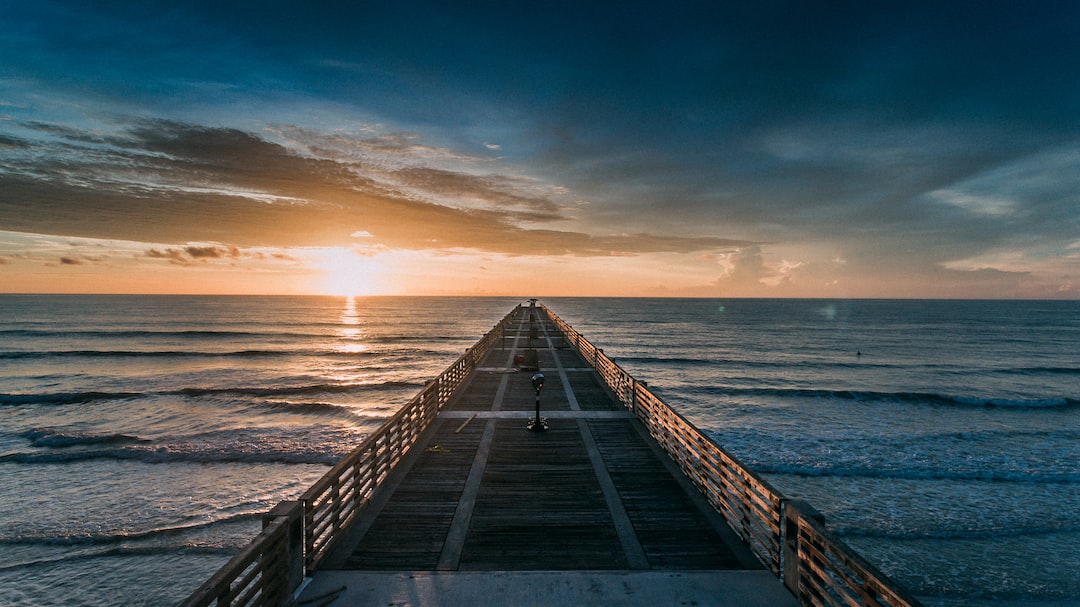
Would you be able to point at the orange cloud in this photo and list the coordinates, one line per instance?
(167, 182)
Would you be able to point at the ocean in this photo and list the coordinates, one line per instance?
(143, 436)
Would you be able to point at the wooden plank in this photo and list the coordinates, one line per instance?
(539, 505)
(671, 529)
(410, 531)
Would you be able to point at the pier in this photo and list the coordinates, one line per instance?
(535, 471)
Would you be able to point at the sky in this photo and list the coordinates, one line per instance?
(684, 149)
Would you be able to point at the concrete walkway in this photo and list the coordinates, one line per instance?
(550, 589)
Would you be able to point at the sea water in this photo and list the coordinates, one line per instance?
(142, 437)
(940, 439)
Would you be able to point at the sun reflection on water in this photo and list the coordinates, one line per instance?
(350, 332)
(349, 316)
(352, 349)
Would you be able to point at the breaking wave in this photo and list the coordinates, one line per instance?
(954, 534)
(868, 396)
(47, 437)
(922, 474)
(182, 453)
(72, 398)
(115, 537)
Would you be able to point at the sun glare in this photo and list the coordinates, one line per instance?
(346, 273)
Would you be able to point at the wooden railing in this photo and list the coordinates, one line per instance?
(263, 573)
(332, 503)
(298, 535)
(787, 535)
(749, 504)
(828, 571)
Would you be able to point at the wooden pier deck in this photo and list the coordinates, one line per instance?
(483, 511)
(621, 501)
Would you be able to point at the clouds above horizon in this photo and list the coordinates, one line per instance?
(935, 142)
(167, 182)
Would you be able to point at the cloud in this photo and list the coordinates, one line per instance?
(744, 267)
(746, 270)
(401, 164)
(192, 254)
(81, 260)
(980, 205)
(13, 143)
(170, 182)
(369, 148)
(212, 252)
(176, 256)
(462, 190)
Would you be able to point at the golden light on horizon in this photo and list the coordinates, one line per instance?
(344, 272)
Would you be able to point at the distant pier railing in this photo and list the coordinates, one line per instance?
(297, 535)
(787, 535)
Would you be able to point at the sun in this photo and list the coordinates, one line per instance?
(344, 272)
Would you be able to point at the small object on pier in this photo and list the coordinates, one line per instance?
(465, 423)
(332, 595)
(538, 424)
(531, 361)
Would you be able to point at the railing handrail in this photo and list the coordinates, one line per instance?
(831, 572)
(817, 567)
(257, 575)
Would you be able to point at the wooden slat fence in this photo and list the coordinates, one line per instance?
(332, 503)
(266, 572)
(258, 575)
(749, 504)
(817, 567)
(830, 573)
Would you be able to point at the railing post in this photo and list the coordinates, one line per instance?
(293, 512)
(794, 511)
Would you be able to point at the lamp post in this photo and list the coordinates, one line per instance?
(538, 424)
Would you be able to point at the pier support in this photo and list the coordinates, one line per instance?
(291, 512)
(794, 511)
